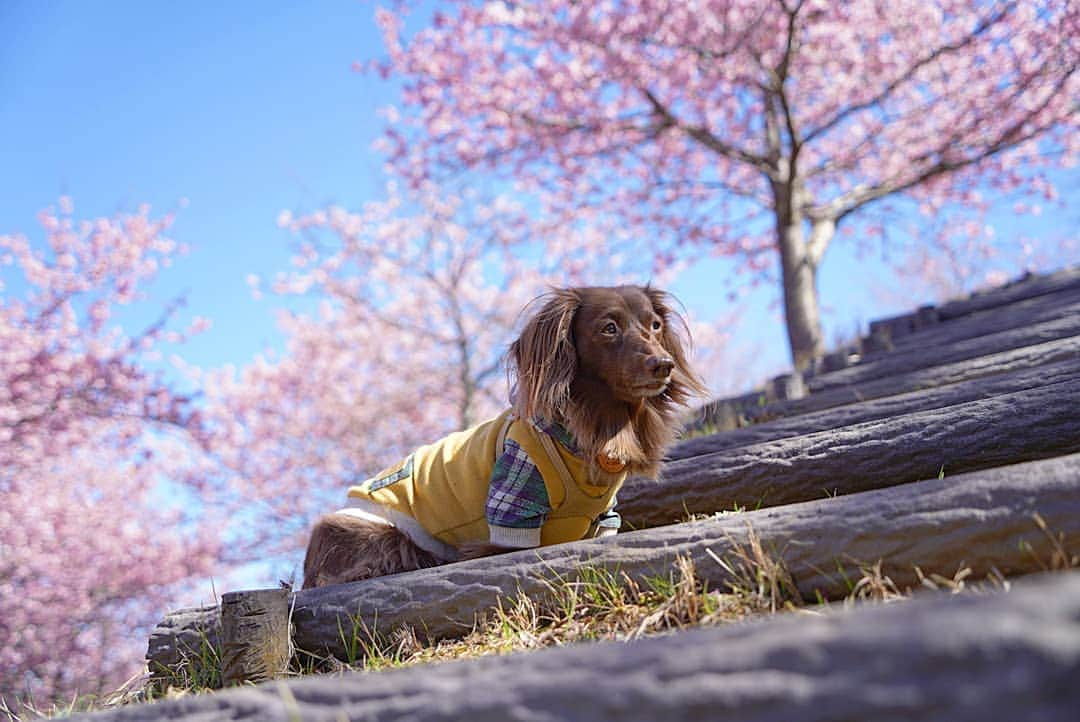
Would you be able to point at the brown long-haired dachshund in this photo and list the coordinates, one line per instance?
(596, 376)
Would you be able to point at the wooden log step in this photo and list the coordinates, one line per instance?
(1024, 425)
(883, 408)
(907, 360)
(255, 634)
(1024, 313)
(927, 319)
(1028, 287)
(983, 520)
(998, 363)
(1000, 656)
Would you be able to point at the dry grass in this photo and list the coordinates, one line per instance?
(596, 604)
(1060, 557)
(132, 691)
(602, 605)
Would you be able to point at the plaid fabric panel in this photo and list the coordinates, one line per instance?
(557, 432)
(517, 497)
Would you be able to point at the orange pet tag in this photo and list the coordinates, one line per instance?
(610, 464)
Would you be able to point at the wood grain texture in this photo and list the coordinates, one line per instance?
(1024, 425)
(1002, 656)
(724, 412)
(983, 519)
(858, 412)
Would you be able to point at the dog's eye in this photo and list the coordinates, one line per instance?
(656, 325)
(609, 329)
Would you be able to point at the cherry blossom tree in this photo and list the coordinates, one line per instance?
(756, 128)
(412, 302)
(90, 546)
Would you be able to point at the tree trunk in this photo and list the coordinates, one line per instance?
(799, 255)
(799, 259)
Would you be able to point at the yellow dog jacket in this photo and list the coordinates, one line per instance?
(437, 495)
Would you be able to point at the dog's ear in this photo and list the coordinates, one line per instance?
(677, 340)
(544, 359)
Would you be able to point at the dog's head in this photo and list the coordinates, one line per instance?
(627, 342)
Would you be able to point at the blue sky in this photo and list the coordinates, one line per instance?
(241, 108)
(246, 109)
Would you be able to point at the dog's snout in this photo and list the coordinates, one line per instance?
(660, 366)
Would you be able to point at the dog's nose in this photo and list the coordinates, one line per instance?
(660, 366)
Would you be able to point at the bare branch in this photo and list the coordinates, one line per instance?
(1011, 137)
(781, 77)
(703, 136)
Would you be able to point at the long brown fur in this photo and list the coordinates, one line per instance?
(344, 548)
(565, 368)
(545, 365)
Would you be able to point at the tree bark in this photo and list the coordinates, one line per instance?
(800, 257)
(884, 408)
(1020, 426)
(799, 279)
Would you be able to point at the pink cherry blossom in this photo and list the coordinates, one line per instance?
(413, 301)
(754, 128)
(90, 548)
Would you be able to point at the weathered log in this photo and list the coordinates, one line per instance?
(1021, 426)
(1014, 293)
(999, 656)
(883, 408)
(748, 405)
(996, 320)
(1038, 299)
(189, 636)
(983, 520)
(731, 412)
(256, 639)
(1029, 286)
(929, 322)
(789, 386)
(910, 359)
